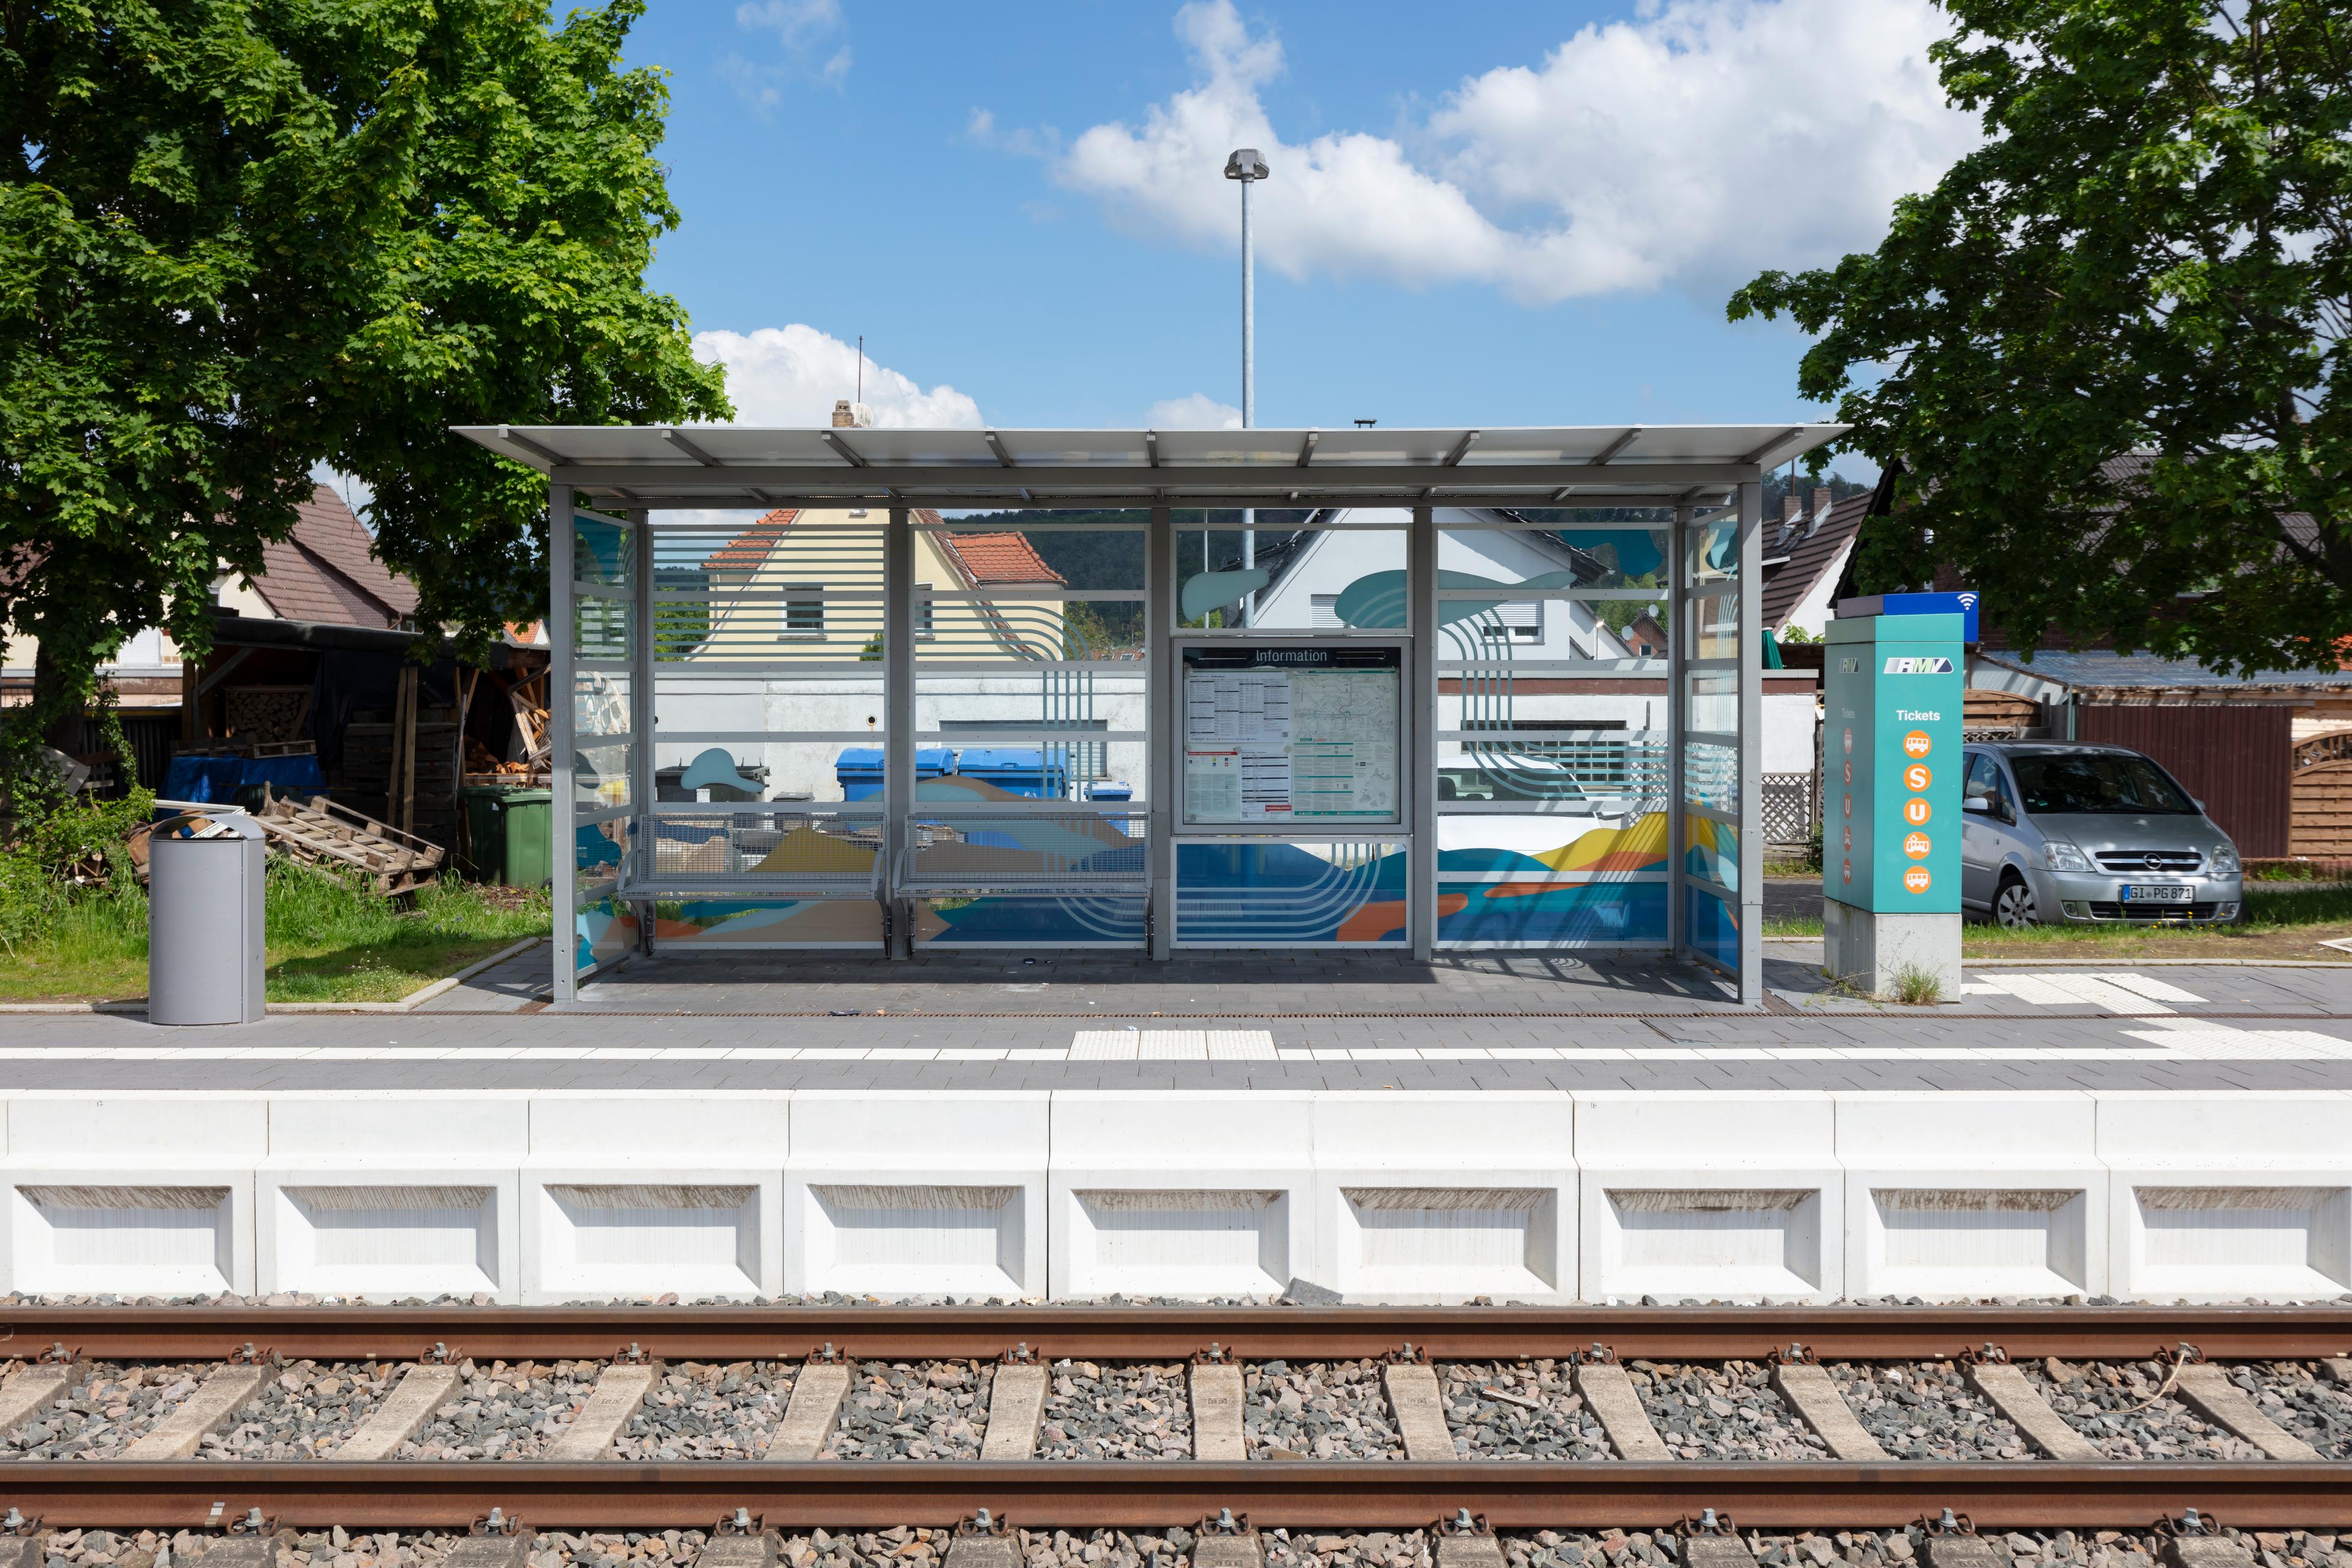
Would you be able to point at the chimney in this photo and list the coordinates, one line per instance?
(843, 419)
(1788, 509)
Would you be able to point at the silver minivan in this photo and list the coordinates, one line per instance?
(2052, 831)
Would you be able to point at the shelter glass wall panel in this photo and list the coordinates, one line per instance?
(1030, 828)
(1712, 801)
(1552, 731)
(771, 725)
(605, 566)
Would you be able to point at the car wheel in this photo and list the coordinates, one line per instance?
(2014, 906)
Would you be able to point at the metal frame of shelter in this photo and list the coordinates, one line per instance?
(1708, 478)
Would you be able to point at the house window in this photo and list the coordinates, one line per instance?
(1323, 612)
(1523, 621)
(804, 616)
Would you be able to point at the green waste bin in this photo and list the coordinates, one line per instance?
(508, 827)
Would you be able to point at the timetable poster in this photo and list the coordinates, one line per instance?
(1292, 734)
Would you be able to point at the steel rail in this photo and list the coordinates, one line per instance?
(1112, 1333)
(1158, 1494)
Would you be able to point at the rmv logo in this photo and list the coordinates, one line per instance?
(1917, 667)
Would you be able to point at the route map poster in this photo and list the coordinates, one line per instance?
(1292, 734)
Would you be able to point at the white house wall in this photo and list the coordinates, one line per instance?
(1540, 1196)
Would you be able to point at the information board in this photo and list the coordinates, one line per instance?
(1894, 689)
(1295, 733)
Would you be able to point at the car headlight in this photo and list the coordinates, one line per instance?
(2223, 861)
(2061, 855)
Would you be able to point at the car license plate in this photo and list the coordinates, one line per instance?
(2141, 893)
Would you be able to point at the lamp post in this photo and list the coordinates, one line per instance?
(1248, 167)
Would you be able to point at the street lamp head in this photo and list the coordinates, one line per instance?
(1246, 163)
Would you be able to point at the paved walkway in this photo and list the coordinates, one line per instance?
(718, 1023)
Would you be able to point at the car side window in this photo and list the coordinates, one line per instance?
(1981, 778)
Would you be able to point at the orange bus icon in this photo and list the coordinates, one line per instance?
(1915, 880)
(1916, 743)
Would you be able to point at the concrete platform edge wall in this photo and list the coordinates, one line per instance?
(1409, 1197)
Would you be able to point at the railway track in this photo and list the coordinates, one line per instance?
(1840, 1380)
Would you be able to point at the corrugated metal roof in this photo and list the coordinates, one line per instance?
(2096, 668)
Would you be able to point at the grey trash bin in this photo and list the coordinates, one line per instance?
(203, 919)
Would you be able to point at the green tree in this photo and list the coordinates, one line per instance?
(2109, 345)
(238, 238)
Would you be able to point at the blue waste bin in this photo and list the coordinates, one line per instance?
(859, 770)
(1017, 770)
(1110, 789)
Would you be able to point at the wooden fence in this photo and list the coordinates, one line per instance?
(2236, 757)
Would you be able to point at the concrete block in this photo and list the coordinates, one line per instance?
(739, 1552)
(1181, 1195)
(1443, 1197)
(817, 1394)
(619, 1391)
(376, 1233)
(1708, 1196)
(1965, 1551)
(1016, 1407)
(184, 1128)
(1610, 1396)
(432, 1128)
(1870, 952)
(2207, 1551)
(132, 1231)
(1217, 1433)
(213, 1405)
(910, 1194)
(2218, 1198)
(1808, 1389)
(1419, 1412)
(2013, 1395)
(744, 1126)
(1239, 1549)
(422, 1390)
(1715, 1551)
(2210, 1392)
(30, 1391)
(243, 1552)
(1469, 1551)
(1956, 1195)
(488, 1551)
(984, 1548)
(630, 1229)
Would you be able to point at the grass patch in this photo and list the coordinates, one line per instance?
(2283, 920)
(329, 940)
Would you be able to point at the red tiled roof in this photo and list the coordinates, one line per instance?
(1812, 557)
(327, 570)
(1001, 558)
(748, 549)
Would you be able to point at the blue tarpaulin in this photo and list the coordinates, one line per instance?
(218, 779)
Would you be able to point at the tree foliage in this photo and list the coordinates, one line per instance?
(238, 238)
(2110, 344)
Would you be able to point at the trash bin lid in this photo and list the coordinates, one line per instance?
(202, 827)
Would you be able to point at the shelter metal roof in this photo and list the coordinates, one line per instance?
(702, 466)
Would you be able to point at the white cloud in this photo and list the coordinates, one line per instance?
(1694, 145)
(803, 30)
(792, 375)
(1198, 411)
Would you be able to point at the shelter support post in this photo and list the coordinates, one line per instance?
(565, 856)
(641, 712)
(1678, 635)
(1421, 734)
(1161, 719)
(1751, 743)
(898, 740)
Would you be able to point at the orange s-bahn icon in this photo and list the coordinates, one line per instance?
(1916, 743)
(1916, 811)
(1914, 880)
(1917, 776)
(1916, 844)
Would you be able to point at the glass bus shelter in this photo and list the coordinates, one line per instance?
(822, 695)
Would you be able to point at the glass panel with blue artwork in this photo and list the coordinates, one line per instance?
(1296, 893)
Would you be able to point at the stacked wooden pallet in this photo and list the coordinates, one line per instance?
(366, 777)
(318, 832)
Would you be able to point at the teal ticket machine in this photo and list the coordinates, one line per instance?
(1891, 805)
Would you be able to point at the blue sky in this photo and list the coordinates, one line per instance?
(1492, 215)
